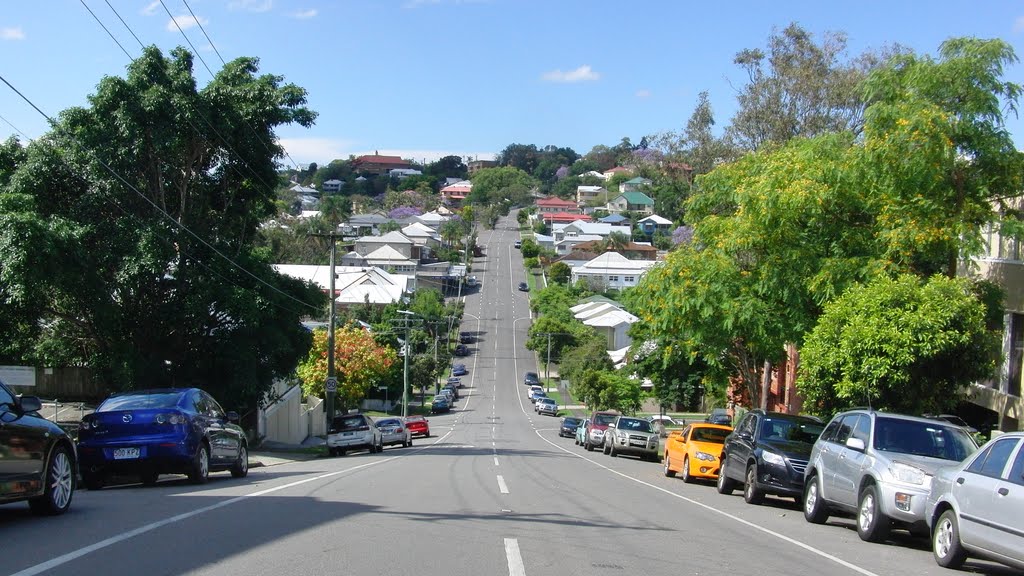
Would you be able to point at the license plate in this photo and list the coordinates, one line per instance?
(126, 453)
(347, 433)
(637, 443)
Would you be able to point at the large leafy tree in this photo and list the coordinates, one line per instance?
(898, 344)
(494, 185)
(119, 225)
(359, 362)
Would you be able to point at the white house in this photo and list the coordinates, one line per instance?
(565, 245)
(586, 194)
(580, 228)
(400, 242)
(423, 236)
(385, 257)
(612, 270)
(607, 320)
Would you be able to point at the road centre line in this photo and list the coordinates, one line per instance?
(501, 484)
(709, 508)
(515, 559)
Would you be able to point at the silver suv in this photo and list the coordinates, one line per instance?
(628, 435)
(879, 467)
(354, 432)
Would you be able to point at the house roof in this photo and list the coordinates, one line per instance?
(636, 197)
(304, 189)
(611, 319)
(393, 237)
(333, 181)
(433, 217)
(610, 262)
(380, 159)
(638, 180)
(560, 217)
(600, 298)
(387, 254)
(555, 202)
(597, 228)
(585, 188)
(630, 247)
(592, 174)
(657, 220)
(617, 169)
(460, 186)
(367, 219)
(588, 309)
(371, 293)
(613, 219)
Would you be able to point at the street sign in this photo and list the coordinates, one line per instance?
(332, 384)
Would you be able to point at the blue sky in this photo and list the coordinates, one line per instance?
(425, 78)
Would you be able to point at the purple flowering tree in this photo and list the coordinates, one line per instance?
(682, 235)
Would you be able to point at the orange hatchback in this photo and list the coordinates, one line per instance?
(693, 451)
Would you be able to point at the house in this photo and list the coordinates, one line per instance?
(455, 194)
(616, 219)
(612, 270)
(585, 194)
(555, 205)
(377, 164)
(632, 250)
(608, 320)
(544, 241)
(632, 202)
(333, 186)
(562, 218)
(403, 173)
(593, 174)
(568, 244)
(634, 185)
(396, 240)
(475, 166)
(423, 236)
(386, 258)
(583, 227)
(616, 170)
(364, 224)
(654, 223)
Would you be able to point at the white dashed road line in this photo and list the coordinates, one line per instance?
(501, 484)
(515, 560)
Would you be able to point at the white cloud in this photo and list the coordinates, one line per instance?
(305, 14)
(323, 150)
(1018, 25)
(151, 9)
(185, 22)
(251, 5)
(582, 74)
(12, 33)
(643, 93)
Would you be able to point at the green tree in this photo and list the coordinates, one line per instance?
(521, 217)
(560, 273)
(359, 362)
(195, 173)
(590, 354)
(605, 390)
(554, 333)
(494, 185)
(529, 248)
(901, 345)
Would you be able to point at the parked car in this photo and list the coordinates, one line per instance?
(465, 338)
(440, 403)
(976, 508)
(581, 431)
(537, 395)
(471, 281)
(393, 431)
(147, 433)
(38, 463)
(568, 427)
(518, 244)
(547, 406)
(531, 379)
(719, 416)
(418, 426)
(524, 287)
(597, 424)
(453, 388)
(879, 466)
(693, 451)
(449, 393)
(628, 435)
(461, 350)
(459, 370)
(533, 389)
(767, 453)
(354, 432)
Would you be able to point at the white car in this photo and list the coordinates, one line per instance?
(546, 406)
(393, 431)
(353, 432)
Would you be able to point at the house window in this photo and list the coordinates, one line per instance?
(613, 278)
(630, 279)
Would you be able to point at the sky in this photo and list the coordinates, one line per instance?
(426, 78)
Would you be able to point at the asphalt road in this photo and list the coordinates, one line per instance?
(495, 491)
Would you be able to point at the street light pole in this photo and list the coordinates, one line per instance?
(330, 386)
(406, 348)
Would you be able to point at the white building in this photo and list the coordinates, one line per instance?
(612, 270)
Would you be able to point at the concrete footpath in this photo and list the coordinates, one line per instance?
(274, 453)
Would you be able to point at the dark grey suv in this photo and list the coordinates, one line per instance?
(37, 457)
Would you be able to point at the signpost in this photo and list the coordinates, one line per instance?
(332, 384)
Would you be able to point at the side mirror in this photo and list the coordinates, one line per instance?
(611, 425)
(30, 404)
(746, 436)
(233, 417)
(855, 444)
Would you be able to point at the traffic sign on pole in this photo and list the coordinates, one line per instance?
(332, 384)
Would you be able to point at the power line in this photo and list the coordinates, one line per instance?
(141, 45)
(106, 30)
(200, 24)
(187, 39)
(15, 128)
(146, 199)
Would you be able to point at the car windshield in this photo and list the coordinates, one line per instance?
(571, 421)
(713, 435)
(546, 401)
(633, 425)
(791, 429)
(604, 419)
(349, 422)
(388, 422)
(922, 439)
(140, 401)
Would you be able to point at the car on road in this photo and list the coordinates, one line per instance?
(531, 379)
(456, 381)
(568, 427)
(418, 426)
(524, 287)
(471, 281)
(767, 453)
(466, 338)
(459, 370)
(453, 388)
(38, 463)
(976, 508)
(354, 432)
(547, 406)
(518, 244)
(393, 431)
(146, 433)
(449, 393)
(440, 403)
(719, 416)
(581, 431)
(461, 350)
(879, 467)
(597, 424)
(536, 395)
(693, 451)
(629, 435)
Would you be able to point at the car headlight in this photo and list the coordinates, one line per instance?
(773, 458)
(705, 456)
(907, 474)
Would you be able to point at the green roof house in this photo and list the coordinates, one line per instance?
(632, 202)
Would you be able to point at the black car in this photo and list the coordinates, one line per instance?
(531, 379)
(569, 426)
(523, 287)
(767, 453)
(461, 350)
(37, 457)
(719, 416)
(465, 338)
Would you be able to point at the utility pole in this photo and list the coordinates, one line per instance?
(331, 385)
(406, 351)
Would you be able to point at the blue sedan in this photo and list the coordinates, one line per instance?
(459, 370)
(163, 431)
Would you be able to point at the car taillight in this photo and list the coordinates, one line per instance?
(400, 429)
(170, 418)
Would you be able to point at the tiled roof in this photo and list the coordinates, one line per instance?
(379, 159)
(555, 201)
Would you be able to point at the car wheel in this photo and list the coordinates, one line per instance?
(60, 485)
(725, 485)
(687, 478)
(92, 480)
(604, 447)
(341, 451)
(408, 442)
(872, 524)
(588, 446)
(200, 471)
(668, 467)
(815, 511)
(149, 478)
(751, 493)
(946, 547)
(241, 466)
